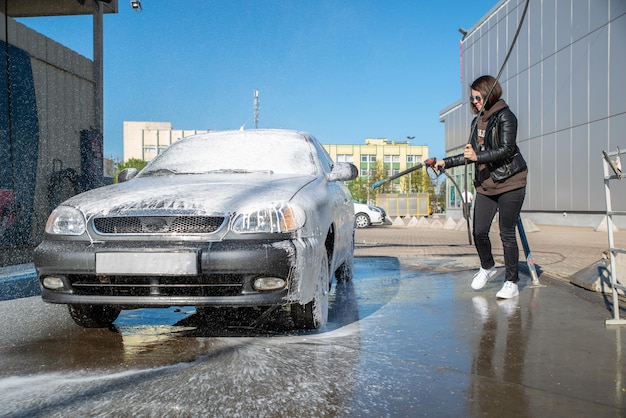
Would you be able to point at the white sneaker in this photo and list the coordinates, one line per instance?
(509, 290)
(482, 277)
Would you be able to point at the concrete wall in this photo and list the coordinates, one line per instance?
(64, 89)
(565, 82)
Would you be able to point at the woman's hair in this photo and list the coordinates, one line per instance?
(483, 85)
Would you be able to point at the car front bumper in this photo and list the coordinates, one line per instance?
(223, 273)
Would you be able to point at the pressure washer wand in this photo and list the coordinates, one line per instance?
(529, 256)
(429, 163)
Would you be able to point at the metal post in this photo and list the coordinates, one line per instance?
(98, 54)
(529, 257)
(613, 250)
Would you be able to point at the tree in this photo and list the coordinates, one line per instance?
(361, 187)
(131, 163)
(358, 189)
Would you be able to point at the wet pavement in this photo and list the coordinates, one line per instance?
(407, 337)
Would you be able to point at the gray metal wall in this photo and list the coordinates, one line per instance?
(64, 89)
(565, 81)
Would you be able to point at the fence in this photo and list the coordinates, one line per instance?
(407, 204)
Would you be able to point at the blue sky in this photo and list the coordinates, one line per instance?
(344, 70)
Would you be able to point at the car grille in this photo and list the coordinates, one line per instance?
(158, 224)
(214, 285)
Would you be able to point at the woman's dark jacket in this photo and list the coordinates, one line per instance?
(501, 153)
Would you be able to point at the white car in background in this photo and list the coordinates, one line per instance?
(366, 215)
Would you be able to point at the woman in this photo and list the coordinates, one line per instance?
(500, 180)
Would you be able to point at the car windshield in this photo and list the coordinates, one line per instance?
(235, 152)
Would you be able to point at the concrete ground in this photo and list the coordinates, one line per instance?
(421, 342)
(548, 352)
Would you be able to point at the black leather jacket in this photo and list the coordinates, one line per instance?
(501, 153)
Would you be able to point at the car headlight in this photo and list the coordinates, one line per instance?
(66, 220)
(276, 218)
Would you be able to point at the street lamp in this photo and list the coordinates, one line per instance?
(409, 138)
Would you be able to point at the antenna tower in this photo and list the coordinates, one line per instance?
(256, 109)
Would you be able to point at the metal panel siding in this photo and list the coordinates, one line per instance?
(616, 8)
(617, 66)
(548, 30)
(563, 23)
(511, 24)
(563, 85)
(598, 141)
(532, 155)
(548, 173)
(523, 106)
(493, 46)
(598, 16)
(598, 69)
(580, 83)
(548, 95)
(535, 94)
(580, 19)
(563, 171)
(500, 31)
(580, 173)
(522, 45)
(535, 32)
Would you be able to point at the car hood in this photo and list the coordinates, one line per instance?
(191, 194)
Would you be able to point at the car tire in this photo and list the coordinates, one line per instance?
(314, 314)
(94, 316)
(362, 220)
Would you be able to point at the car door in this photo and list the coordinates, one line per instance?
(341, 207)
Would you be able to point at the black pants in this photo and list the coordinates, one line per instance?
(485, 207)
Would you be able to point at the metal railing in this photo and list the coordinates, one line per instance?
(613, 171)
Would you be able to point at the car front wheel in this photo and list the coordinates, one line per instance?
(314, 315)
(94, 316)
(362, 220)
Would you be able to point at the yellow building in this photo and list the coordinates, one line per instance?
(395, 156)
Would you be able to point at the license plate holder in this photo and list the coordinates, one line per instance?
(147, 263)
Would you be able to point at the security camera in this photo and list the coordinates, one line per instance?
(135, 4)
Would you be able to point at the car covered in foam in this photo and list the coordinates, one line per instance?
(256, 218)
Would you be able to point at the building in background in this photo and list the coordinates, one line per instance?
(395, 156)
(146, 140)
(565, 82)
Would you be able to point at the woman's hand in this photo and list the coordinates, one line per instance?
(469, 153)
(440, 164)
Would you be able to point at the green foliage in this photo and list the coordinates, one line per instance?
(131, 163)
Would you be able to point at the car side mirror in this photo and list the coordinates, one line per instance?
(343, 172)
(127, 174)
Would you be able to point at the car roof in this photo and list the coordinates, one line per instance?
(256, 133)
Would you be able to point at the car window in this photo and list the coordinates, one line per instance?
(233, 152)
(324, 157)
